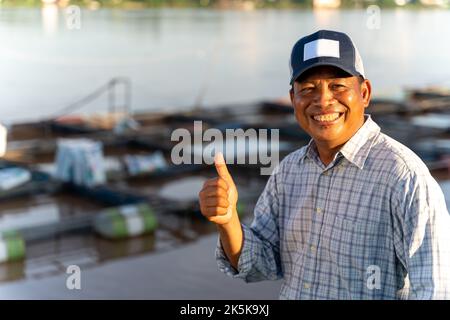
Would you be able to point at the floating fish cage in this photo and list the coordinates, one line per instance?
(35, 229)
(128, 206)
(52, 217)
(17, 181)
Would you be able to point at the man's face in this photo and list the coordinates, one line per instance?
(329, 104)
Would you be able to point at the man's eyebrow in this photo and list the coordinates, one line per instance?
(306, 82)
(333, 78)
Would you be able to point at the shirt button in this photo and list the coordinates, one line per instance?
(326, 173)
(313, 249)
(306, 285)
(318, 210)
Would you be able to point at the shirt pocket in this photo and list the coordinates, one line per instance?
(355, 248)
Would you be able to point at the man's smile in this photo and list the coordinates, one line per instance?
(328, 118)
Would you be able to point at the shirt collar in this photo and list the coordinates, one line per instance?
(355, 150)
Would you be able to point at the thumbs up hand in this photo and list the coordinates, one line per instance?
(218, 197)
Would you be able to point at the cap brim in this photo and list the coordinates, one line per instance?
(321, 63)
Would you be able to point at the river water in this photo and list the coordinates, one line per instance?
(176, 58)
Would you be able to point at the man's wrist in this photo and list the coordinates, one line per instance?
(232, 224)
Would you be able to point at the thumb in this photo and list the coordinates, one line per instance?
(221, 167)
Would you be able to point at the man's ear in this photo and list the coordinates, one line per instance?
(366, 92)
(291, 95)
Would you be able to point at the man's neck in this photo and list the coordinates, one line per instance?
(327, 150)
(327, 153)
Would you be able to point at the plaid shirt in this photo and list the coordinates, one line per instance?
(373, 224)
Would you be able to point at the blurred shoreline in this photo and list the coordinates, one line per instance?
(241, 5)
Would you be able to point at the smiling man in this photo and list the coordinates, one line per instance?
(329, 105)
(352, 215)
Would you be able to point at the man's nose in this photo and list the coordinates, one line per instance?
(324, 96)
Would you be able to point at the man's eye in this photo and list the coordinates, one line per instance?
(306, 89)
(338, 86)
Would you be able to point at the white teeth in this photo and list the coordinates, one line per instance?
(327, 117)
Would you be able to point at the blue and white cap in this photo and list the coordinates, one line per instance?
(325, 48)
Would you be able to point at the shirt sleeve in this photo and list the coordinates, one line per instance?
(260, 254)
(421, 237)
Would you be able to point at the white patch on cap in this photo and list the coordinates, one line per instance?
(321, 48)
